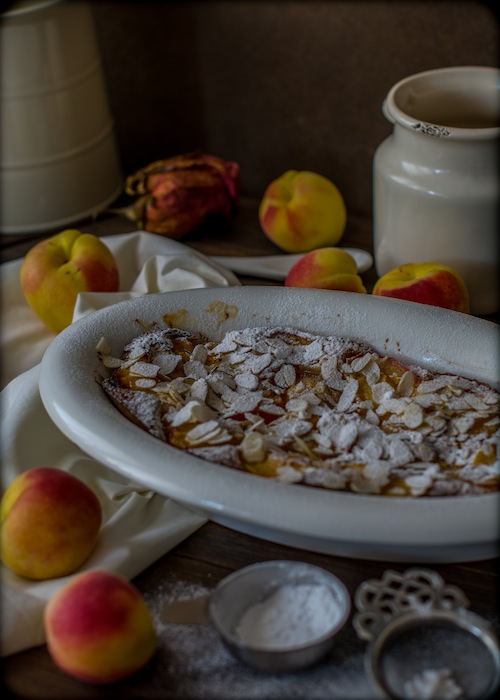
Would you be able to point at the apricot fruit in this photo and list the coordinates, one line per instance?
(426, 283)
(57, 269)
(326, 268)
(98, 628)
(50, 523)
(301, 211)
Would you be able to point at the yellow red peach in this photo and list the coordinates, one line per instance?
(98, 628)
(326, 268)
(427, 283)
(57, 269)
(301, 211)
(50, 523)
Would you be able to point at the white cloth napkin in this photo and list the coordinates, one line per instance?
(139, 526)
(147, 263)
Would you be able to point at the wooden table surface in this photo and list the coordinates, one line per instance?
(192, 664)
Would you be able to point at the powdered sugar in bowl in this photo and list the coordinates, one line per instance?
(279, 616)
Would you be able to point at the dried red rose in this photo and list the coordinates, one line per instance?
(176, 195)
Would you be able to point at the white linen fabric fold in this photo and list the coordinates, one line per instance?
(148, 264)
(139, 525)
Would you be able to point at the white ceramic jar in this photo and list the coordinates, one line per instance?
(436, 181)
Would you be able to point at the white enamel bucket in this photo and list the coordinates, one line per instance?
(58, 155)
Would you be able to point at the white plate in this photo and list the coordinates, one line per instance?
(277, 267)
(375, 527)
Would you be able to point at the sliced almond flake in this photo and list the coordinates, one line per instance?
(199, 354)
(144, 369)
(413, 416)
(272, 408)
(254, 447)
(225, 346)
(329, 366)
(335, 381)
(195, 369)
(255, 421)
(111, 362)
(475, 402)
(299, 407)
(347, 436)
(180, 384)
(372, 373)
(490, 398)
(289, 475)
(392, 420)
(397, 406)
(322, 440)
(348, 395)
(164, 388)
(372, 417)
(262, 347)
(279, 348)
(313, 352)
(291, 426)
(145, 383)
(247, 380)
(228, 395)
(436, 422)
(381, 391)
(103, 346)
(428, 400)
(203, 432)
(418, 485)
(218, 382)
(457, 403)
(194, 411)
(433, 385)
(167, 361)
(423, 451)
(128, 363)
(242, 403)
(377, 472)
(333, 480)
(199, 389)
(219, 438)
(462, 383)
(236, 358)
(304, 447)
(464, 423)
(285, 377)
(359, 363)
(399, 452)
(323, 451)
(359, 484)
(311, 398)
(257, 363)
(397, 491)
(406, 384)
(369, 448)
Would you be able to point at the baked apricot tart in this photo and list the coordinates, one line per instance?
(301, 408)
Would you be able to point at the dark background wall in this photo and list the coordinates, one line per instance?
(276, 84)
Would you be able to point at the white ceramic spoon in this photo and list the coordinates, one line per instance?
(277, 267)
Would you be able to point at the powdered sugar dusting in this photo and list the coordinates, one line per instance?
(195, 656)
(302, 408)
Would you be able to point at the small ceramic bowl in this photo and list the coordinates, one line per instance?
(253, 585)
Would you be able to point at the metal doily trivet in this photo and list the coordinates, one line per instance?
(423, 640)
